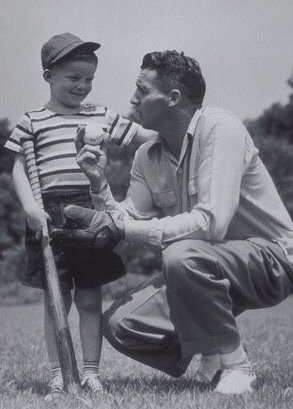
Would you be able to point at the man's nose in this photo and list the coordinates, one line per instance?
(134, 99)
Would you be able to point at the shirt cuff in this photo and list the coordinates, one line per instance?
(104, 199)
(147, 232)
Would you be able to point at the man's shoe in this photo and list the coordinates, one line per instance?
(91, 384)
(56, 387)
(209, 370)
(237, 379)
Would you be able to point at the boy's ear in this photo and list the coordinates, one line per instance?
(174, 97)
(47, 75)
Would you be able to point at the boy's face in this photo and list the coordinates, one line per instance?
(71, 82)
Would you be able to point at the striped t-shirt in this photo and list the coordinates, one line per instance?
(54, 136)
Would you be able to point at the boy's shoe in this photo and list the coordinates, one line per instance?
(237, 379)
(56, 387)
(209, 370)
(91, 384)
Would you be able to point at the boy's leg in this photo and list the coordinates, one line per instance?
(89, 305)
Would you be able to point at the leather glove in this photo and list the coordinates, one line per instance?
(86, 228)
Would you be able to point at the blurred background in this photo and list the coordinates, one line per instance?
(244, 48)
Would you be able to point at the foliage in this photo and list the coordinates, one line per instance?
(6, 157)
(276, 120)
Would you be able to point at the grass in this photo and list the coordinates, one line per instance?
(24, 370)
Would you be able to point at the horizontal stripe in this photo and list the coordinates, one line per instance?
(54, 157)
(51, 128)
(24, 130)
(60, 171)
(52, 143)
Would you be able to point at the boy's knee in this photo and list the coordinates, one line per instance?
(87, 301)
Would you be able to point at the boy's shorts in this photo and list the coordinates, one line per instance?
(81, 268)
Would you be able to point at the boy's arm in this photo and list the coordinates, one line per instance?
(143, 135)
(36, 217)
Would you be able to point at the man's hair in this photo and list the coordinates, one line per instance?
(79, 54)
(176, 70)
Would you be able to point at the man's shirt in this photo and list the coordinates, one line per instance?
(218, 190)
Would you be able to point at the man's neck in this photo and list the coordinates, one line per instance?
(174, 130)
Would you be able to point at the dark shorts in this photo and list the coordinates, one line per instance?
(82, 268)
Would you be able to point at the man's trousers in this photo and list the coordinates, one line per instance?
(190, 307)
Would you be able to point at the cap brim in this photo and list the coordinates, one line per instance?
(90, 46)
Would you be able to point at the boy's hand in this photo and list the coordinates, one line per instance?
(36, 219)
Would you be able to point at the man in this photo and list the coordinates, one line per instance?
(199, 192)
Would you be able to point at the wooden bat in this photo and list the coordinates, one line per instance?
(61, 328)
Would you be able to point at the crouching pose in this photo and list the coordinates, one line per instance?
(201, 194)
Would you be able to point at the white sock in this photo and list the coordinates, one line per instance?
(90, 368)
(56, 369)
(233, 358)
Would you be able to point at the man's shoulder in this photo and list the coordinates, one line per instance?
(215, 113)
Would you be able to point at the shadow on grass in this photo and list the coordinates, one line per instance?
(156, 384)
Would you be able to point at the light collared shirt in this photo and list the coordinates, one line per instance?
(218, 190)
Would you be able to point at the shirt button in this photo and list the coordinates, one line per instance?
(180, 170)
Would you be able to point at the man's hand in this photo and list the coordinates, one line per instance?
(88, 228)
(92, 160)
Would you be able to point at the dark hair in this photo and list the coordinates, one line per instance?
(81, 53)
(177, 70)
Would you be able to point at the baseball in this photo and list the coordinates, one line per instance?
(94, 134)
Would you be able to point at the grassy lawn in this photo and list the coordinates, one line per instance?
(24, 370)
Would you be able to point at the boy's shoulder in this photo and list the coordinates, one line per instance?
(93, 109)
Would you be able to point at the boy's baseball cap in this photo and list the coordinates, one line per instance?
(62, 44)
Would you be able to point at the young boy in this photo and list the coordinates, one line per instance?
(69, 66)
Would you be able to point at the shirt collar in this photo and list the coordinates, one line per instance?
(190, 131)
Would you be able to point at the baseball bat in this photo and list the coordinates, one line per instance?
(59, 317)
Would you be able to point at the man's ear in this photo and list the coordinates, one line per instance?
(47, 75)
(174, 97)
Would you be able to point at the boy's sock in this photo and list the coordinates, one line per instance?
(90, 368)
(56, 384)
(90, 377)
(56, 369)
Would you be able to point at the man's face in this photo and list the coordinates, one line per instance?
(71, 82)
(149, 101)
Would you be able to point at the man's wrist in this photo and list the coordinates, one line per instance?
(97, 187)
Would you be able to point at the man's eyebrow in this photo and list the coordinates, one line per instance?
(141, 86)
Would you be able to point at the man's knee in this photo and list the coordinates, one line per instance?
(179, 257)
(113, 328)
